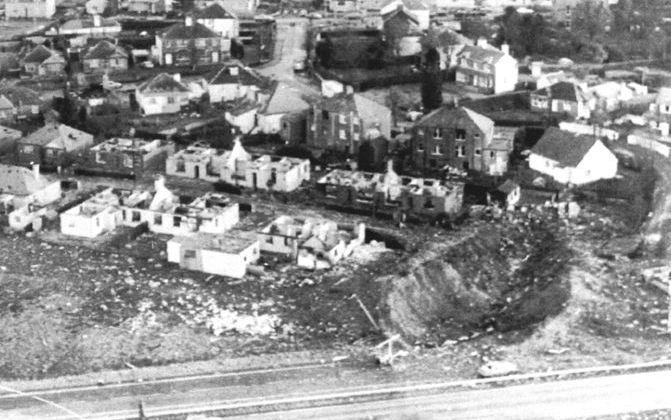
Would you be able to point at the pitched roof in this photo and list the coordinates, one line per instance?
(55, 58)
(285, 99)
(20, 96)
(9, 133)
(38, 54)
(489, 55)
(356, 103)
(444, 117)
(213, 11)
(5, 103)
(245, 76)
(184, 31)
(401, 12)
(564, 147)
(564, 91)
(58, 136)
(104, 49)
(20, 181)
(162, 83)
(408, 4)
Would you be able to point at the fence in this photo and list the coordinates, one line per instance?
(650, 144)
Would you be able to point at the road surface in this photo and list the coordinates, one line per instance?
(289, 48)
(231, 393)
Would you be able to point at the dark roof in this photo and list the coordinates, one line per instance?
(245, 76)
(564, 147)
(444, 117)
(401, 13)
(508, 186)
(410, 4)
(489, 55)
(162, 83)
(213, 11)
(193, 31)
(104, 49)
(564, 91)
(38, 54)
(21, 96)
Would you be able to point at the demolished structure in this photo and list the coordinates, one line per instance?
(123, 156)
(24, 195)
(311, 243)
(391, 192)
(237, 167)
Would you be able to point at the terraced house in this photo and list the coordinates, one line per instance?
(105, 57)
(460, 138)
(487, 68)
(188, 43)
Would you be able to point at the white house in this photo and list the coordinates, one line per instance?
(243, 116)
(572, 159)
(234, 81)
(611, 94)
(218, 20)
(487, 68)
(283, 100)
(93, 217)
(415, 7)
(163, 94)
(30, 9)
(226, 254)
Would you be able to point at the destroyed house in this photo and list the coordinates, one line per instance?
(390, 192)
(163, 212)
(226, 254)
(310, 243)
(237, 167)
(122, 156)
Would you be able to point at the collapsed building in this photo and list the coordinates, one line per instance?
(309, 242)
(390, 192)
(123, 156)
(25, 194)
(163, 211)
(240, 168)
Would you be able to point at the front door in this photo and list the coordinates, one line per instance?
(196, 171)
(254, 180)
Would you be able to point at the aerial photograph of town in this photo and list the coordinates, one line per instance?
(335, 209)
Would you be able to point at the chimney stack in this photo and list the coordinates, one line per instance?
(482, 43)
(36, 171)
(188, 21)
(505, 48)
(177, 77)
(536, 68)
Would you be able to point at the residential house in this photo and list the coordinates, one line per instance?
(162, 211)
(342, 121)
(572, 158)
(487, 68)
(226, 254)
(237, 167)
(41, 61)
(390, 193)
(187, 44)
(507, 195)
(403, 28)
(89, 27)
(242, 115)
(294, 127)
(460, 138)
(19, 103)
(563, 10)
(94, 96)
(562, 98)
(342, 6)
(122, 156)
(218, 20)
(52, 144)
(150, 6)
(24, 193)
(311, 243)
(659, 113)
(238, 7)
(283, 100)
(30, 9)
(235, 81)
(8, 138)
(105, 57)
(414, 7)
(258, 35)
(163, 94)
(610, 96)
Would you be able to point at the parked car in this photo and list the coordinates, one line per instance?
(497, 368)
(299, 66)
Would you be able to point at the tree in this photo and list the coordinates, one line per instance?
(237, 50)
(324, 53)
(590, 18)
(395, 30)
(431, 88)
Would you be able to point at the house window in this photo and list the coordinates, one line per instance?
(190, 253)
(342, 119)
(478, 152)
(136, 216)
(158, 219)
(460, 134)
(420, 147)
(180, 166)
(343, 136)
(567, 106)
(325, 115)
(437, 150)
(28, 148)
(492, 154)
(269, 239)
(176, 221)
(461, 151)
(127, 161)
(171, 100)
(437, 133)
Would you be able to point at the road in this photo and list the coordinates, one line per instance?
(315, 386)
(289, 48)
